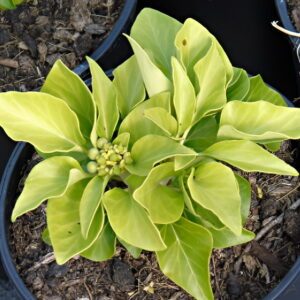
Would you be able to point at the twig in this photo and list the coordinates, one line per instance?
(10, 63)
(47, 259)
(88, 290)
(288, 32)
(291, 191)
(263, 232)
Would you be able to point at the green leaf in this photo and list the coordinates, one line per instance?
(134, 251)
(273, 147)
(203, 134)
(259, 121)
(104, 247)
(184, 97)
(130, 221)
(134, 181)
(249, 157)
(154, 79)
(184, 162)
(7, 4)
(122, 139)
(156, 33)
(42, 120)
(90, 203)
(239, 85)
(163, 202)
(152, 149)
(224, 237)
(214, 187)
(46, 236)
(261, 91)
(63, 221)
(48, 179)
(129, 86)
(138, 125)
(62, 83)
(186, 260)
(245, 194)
(104, 94)
(211, 75)
(163, 119)
(187, 199)
(192, 42)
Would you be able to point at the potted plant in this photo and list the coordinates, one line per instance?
(156, 171)
(34, 35)
(284, 12)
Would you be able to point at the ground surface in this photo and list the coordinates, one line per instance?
(36, 34)
(294, 11)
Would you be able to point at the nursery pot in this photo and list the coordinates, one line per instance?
(287, 288)
(282, 10)
(112, 51)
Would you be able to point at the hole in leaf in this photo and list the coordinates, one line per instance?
(184, 42)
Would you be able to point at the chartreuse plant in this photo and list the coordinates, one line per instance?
(153, 174)
(9, 4)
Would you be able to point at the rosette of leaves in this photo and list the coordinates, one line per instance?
(151, 169)
(9, 4)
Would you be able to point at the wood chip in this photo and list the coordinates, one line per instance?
(10, 63)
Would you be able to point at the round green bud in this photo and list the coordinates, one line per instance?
(102, 172)
(114, 157)
(101, 161)
(93, 153)
(120, 149)
(128, 160)
(110, 163)
(92, 167)
(116, 170)
(101, 142)
(122, 163)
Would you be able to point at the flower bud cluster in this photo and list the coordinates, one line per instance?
(108, 159)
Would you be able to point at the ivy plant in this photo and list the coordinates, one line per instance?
(9, 4)
(146, 158)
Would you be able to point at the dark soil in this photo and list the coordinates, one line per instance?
(294, 12)
(241, 272)
(37, 33)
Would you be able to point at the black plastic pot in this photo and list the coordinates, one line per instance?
(282, 10)
(287, 289)
(113, 50)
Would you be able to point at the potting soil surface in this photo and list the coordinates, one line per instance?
(243, 272)
(294, 12)
(37, 33)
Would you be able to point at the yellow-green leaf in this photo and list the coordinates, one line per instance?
(163, 202)
(163, 119)
(138, 125)
(62, 83)
(186, 260)
(154, 79)
(152, 149)
(130, 221)
(239, 85)
(129, 86)
(249, 157)
(214, 187)
(48, 179)
(211, 76)
(105, 96)
(184, 97)
(42, 120)
(156, 32)
(63, 222)
(90, 202)
(104, 247)
(259, 121)
(192, 42)
(261, 91)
